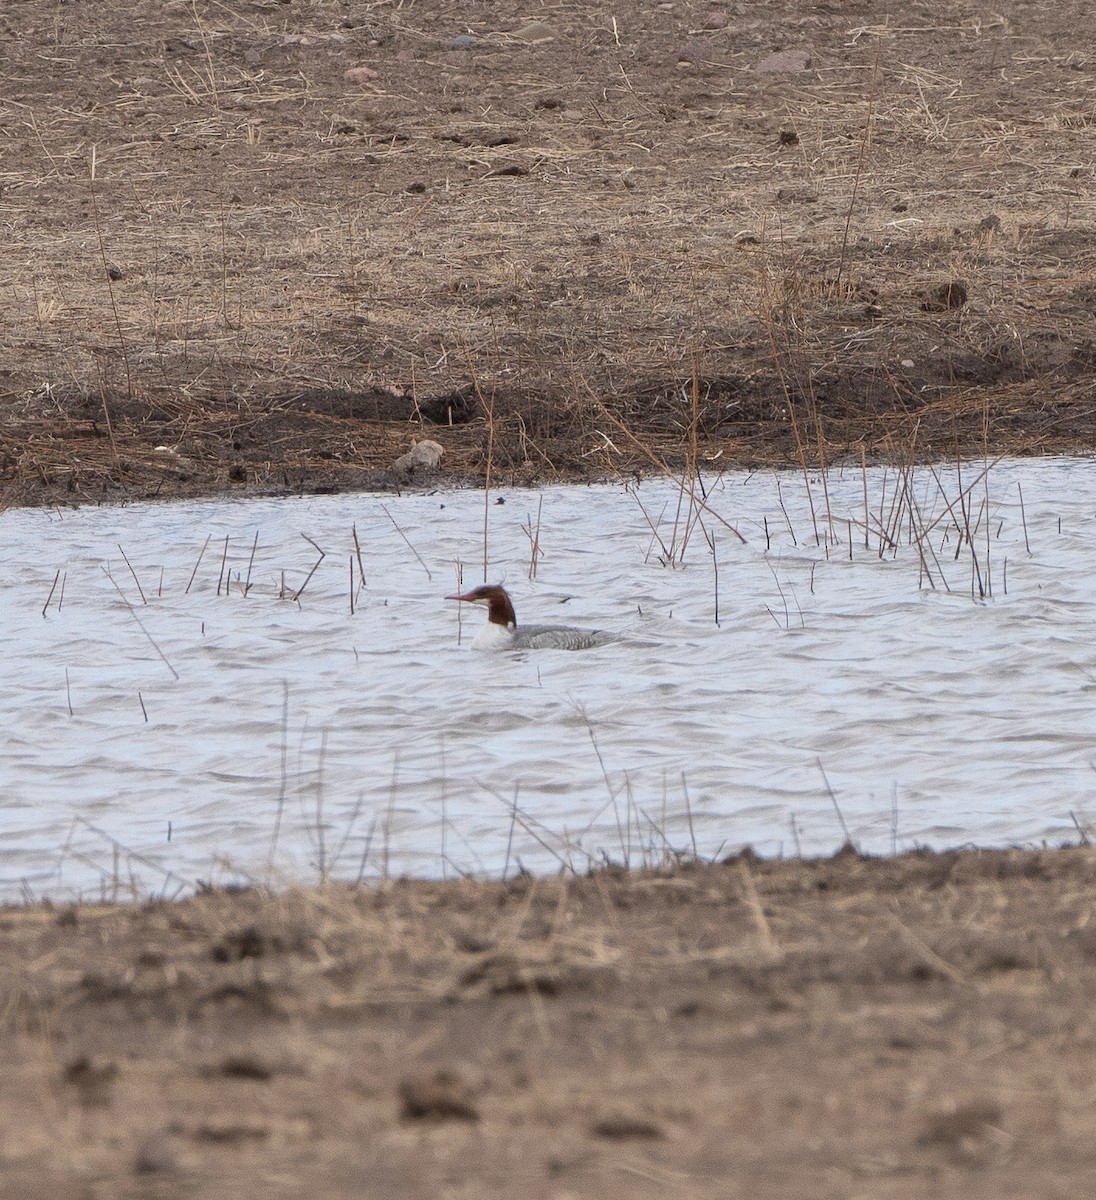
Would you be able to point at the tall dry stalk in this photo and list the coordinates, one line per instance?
(108, 275)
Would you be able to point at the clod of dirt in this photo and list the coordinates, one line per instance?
(256, 996)
(92, 1078)
(947, 295)
(231, 1133)
(795, 196)
(251, 942)
(973, 1121)
(501, 974)
(244, 1066)
(624, 1126)
(788, 137)
(472, 943)
(785, 62)
(103, 987)
(443, 1096)
(360, 75)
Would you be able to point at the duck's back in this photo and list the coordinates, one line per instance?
(558, 637)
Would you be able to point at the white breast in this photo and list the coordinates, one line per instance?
(493, 637)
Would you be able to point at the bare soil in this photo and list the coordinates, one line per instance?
(913, 1027)
(567, 241)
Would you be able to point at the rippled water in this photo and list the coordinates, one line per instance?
(174, 715)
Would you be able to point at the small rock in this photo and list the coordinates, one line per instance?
(464, 41)
(423, 456)
(244, 1066)
(625, 1126)
(360, 75)
(695, 50)
(231, 1133)
(785, 62)
(535, 31)
(716, 20)
(443, 1096)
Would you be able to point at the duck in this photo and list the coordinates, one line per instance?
(502, 631)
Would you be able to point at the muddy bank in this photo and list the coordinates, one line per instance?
(907, 1027)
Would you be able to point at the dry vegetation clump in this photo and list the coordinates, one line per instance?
(230, 263)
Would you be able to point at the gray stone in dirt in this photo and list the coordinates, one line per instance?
(423, 456)
(785, 62)
(536, 31)
(464, 41)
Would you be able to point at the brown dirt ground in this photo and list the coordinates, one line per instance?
(901, 1029)
(634, 237)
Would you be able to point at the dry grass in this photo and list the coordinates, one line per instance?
(274, 271)
(903, 1022)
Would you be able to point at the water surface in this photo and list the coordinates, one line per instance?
(207, 692)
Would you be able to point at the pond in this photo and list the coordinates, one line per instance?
(276, 690)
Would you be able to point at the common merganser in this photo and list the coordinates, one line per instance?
(502, 631)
